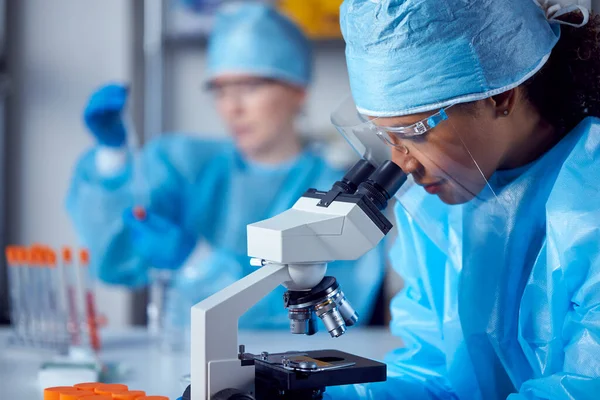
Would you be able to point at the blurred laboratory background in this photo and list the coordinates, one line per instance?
(53, 54)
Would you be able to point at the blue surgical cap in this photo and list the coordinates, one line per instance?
(255, 39)
(411, 56)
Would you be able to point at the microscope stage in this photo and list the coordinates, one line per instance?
(312, 370)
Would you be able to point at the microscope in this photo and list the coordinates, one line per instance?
(293, 249)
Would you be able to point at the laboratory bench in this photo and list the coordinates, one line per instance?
(145, 367)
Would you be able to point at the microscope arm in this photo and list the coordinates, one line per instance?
(214, 362)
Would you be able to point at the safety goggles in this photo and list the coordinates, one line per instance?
(391, 134)
(238, 87)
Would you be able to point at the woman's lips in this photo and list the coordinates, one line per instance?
(434, 188)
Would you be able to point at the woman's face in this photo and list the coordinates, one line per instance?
(454, 159)
(257, 111)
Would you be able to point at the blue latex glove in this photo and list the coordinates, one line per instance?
(102, 114)
(162, 243)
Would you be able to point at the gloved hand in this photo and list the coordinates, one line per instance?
(102, 114)
(159, 241)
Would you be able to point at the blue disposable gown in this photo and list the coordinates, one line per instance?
(207, 188)
(511, 309)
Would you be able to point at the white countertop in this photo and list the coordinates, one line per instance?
(159, 373)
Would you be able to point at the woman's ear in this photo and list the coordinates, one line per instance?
(504, 103)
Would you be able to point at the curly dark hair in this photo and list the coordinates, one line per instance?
(567, 88)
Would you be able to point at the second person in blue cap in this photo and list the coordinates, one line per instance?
(203, 193)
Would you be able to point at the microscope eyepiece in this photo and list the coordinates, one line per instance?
(360, 172)
(383, 184)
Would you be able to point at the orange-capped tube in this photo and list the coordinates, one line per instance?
(22, 255)
(36, 255)
(67, 255)
(111, 388)
(53, 393)
(84, 257)
(73, 295)
(89, 386)
(11, 255)
(153, 398)
(44, 256)
(26, 285)
(15, 287)
(129, 395)
(95, 397)
(90, 300)
(54, 317)
(38, 297)
(61, 299)
(51, 258)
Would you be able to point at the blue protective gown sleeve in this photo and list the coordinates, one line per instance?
(96, 203)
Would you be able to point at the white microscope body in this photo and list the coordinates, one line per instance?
(293, 249)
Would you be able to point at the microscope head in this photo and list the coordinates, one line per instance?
(343, 223)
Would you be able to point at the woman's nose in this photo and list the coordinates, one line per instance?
(405, 160)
